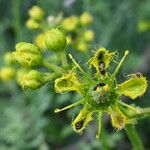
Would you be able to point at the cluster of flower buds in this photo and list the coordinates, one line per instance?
(76, 28)
(30, 60)
(36, 15)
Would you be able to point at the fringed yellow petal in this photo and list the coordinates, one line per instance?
(118, 119)
(68, 82)
(101, 60)
(82, 120)
(134, 87)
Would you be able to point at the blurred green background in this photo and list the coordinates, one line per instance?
(27, 119)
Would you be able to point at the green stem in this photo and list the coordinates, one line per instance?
(64, 59)
(140, 112)
(16, 7)
(50, 76)
(52, 67)
(134, 137)
(105, 145)
(133, 112)
(100, 118)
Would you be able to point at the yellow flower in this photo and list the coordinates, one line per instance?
(103, 94)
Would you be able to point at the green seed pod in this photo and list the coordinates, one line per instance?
(32, 80)
(27, 55)
(134, 87)
(36, 13)
(55, 40)
(7, 73)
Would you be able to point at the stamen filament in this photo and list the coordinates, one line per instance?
(79, 67)
(69, 106)
(120, 63)
(126, 105)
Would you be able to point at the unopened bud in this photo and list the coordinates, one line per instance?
(32, 24)
(55, 40)
(7, 73)
(32, 80)
(36, 13)
(27, 55)
(86, 19)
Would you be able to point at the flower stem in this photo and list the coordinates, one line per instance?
(51, 67)
(134, 137)
(64, 59)
(140, 112)
(99, 124)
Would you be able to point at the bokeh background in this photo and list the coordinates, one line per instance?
(27, 119)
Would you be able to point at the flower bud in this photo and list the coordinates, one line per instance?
(36, 13)
(27, 55)
(143, 26)
(32, 80)
(8, 58)
(39, 41)
(20, 73)
(86, 19)
(55, 40)
(7, 73)
(82, 46)
(70, 23)
(88, 35)
(69, 40)
(32, 24)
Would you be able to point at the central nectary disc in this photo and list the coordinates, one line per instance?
(101, 93)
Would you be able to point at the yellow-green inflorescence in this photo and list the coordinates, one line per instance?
(100, 92)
